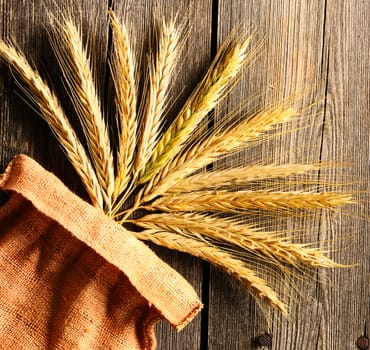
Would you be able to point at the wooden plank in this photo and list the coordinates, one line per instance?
(291, 61)
(138, 16)
(346, 300)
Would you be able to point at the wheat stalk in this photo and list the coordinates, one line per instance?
(161, 67)
(227, 64)
(77, 70)
(166, 164)
(239, 176)
(224, 201)
(268, 244)
(123, 72)
(219, 144)
(216, 256)
(53, 113)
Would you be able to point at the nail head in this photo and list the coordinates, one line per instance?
(363, 342)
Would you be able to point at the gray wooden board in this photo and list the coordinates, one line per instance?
(291, 57)
(346, 302)
(325, 42)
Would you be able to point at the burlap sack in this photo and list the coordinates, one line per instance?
(70, 278)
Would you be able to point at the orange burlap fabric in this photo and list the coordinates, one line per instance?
(71, 278)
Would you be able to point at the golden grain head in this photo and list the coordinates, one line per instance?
(76, 67)
(161, 66)
(269, 246)
(227, 64)
(239, 176)
(123, 74)
(53, 113)
(219, 144)
(218, 257)
(226, 201)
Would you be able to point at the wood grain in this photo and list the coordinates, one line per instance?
(346, 301)
(298, 53)
(286, 64)
(319, 48)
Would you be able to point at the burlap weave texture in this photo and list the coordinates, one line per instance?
(71, 278)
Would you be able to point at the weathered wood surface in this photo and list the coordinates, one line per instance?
(326, 41)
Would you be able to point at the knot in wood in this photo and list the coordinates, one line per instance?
(363, 342)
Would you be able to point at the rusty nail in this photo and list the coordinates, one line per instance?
(363, 342)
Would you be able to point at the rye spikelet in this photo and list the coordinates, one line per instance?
(77, 70)
(239, 176)
(123, 72)
(161, 66)
(216, 256)
(224, 201)
(219, 144)
(227, 64)
(53, 113)
(271, 246)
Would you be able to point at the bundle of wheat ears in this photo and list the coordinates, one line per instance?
(149, 180)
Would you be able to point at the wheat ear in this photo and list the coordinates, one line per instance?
(219, 144)
(53, 113)
(123, 72)
(270, 245)
(239, 176)
(225, 201)
(216, 256)
(210, 90)
(77, 70)
(161, 66)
